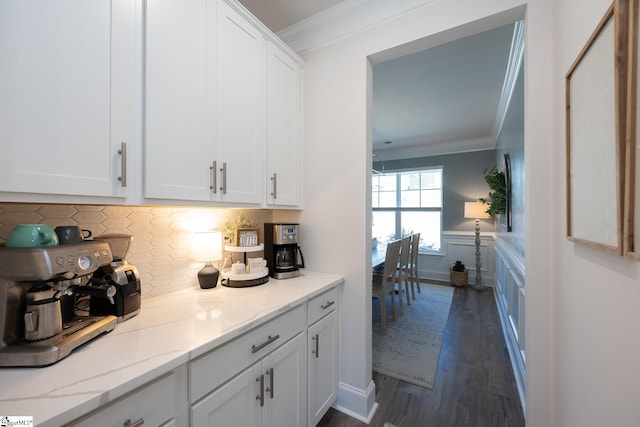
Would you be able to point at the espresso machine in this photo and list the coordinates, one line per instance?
(123, 276)
(39, 287)
(281, 250)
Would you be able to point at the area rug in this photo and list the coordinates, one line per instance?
(411, 347)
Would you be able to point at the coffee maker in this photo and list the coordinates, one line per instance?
(281, 250)
(38, 290)
(123, 276)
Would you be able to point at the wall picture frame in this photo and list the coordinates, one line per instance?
(246, 237)
(596, 108)
(632, 155)
(505, 168)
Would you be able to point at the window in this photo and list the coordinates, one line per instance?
(408, 202)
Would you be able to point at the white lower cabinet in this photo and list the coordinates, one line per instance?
(258, 379)
(158, 403)
(323, 354)
(271, 392)
(282, 373)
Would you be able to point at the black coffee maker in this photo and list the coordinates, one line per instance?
(123, 276)
(281, 250)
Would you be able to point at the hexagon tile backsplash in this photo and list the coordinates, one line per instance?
(160, 247)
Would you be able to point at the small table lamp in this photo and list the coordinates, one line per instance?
(477, 210)
(208, 248)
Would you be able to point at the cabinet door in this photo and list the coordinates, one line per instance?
(240, 108)
(323, 366)
(285, 384)
(180, 99)
(236, 403)
(67, 80)
(284, 129)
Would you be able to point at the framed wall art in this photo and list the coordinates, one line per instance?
(632, 155)
(595, 134)
(247, 237)
(505, 168)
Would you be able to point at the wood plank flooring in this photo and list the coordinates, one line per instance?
(474, 384)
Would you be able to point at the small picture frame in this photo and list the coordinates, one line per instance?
(247, 237)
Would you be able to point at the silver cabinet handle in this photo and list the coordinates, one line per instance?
(138, 423)
(316, 338)
(214, 177)
(271, 381)
(274, 180)
(270, 339)
(260, 397)
(327, 305)
(224, 178)
(123, 164)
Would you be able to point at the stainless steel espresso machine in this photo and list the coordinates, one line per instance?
(38, 290)
(281, 250)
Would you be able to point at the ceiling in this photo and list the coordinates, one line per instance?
(441, 100)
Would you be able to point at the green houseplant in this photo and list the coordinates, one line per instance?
(458, 274)
(498, 195)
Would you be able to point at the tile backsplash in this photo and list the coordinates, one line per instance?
(160, 249)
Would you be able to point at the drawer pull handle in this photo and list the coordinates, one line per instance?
(260, 397)
(271, 380)
(327, 305)
(123, 164)
(270, 339)
(138, 423)
(214, 173)
(316, 338)
(224, 178)
(275, 186)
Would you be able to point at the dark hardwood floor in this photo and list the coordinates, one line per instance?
(474, 384)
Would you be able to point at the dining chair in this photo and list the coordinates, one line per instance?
(413, 264)
(403, 271)
(384, 284)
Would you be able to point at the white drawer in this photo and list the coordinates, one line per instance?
(154, 403)
(211, 370)
(322, 305)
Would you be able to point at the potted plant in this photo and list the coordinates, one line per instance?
(458, 274)
(498, 196)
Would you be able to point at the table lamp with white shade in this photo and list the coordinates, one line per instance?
(477, 211)
(207, 248)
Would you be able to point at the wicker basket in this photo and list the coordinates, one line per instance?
(459, 278)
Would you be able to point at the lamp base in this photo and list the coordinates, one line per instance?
(208, 277)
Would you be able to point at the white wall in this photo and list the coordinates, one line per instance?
(337, 190)
(595, 297)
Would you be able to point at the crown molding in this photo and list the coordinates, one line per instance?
(516, 57)
(343, 20)
(428, 150)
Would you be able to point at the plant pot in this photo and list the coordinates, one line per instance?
(459, 278)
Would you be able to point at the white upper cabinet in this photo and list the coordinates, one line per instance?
(284, 130)
(240, 108)
(204, 106)
(180, 99)
(70, 97)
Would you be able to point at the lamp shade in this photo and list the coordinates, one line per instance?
(207, 246)
(476, 210)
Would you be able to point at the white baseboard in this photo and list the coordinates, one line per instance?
(357, 403)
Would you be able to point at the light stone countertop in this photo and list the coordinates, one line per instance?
(169, 331)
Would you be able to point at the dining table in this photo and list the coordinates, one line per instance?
(378, 254)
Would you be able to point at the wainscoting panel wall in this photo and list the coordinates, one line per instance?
(459, 245)
(510, 295)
